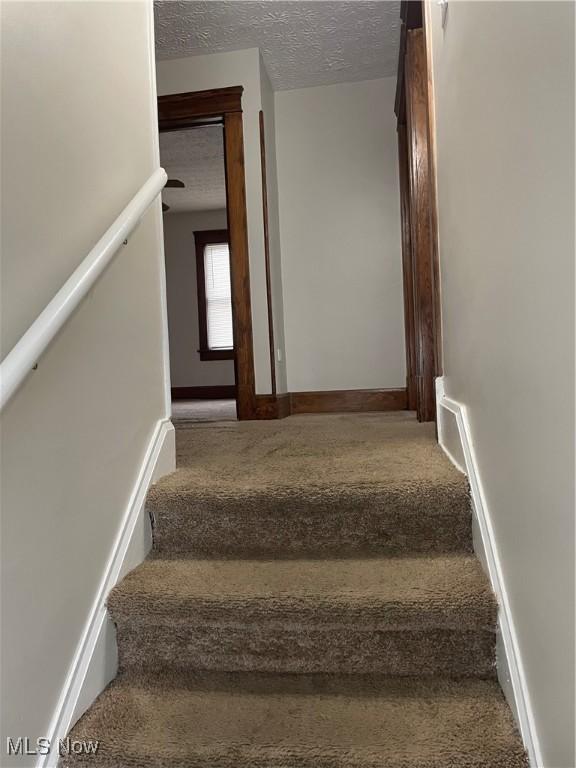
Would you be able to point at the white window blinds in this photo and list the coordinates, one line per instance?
(218, 296)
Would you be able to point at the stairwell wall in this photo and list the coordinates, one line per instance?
(79, 138)
(505, 174)
(277, 300)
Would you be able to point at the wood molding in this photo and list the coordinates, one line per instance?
(271, 342)
(272, 406)
(330, 401)
(266, 407)
(412, 17)
(407, 270)
(400, 98)
(411, 13)
(185, 110)
(348, 401)
(179, 109)
(207, 355)
(421, 234)
(216, 392)
(239, 264)
(420, 260)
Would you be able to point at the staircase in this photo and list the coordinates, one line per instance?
(311, 601)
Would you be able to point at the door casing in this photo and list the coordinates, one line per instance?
(419, 218)
(224, 106)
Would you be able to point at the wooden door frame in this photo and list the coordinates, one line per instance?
(224, 106)
(407, 270)
(418, 212)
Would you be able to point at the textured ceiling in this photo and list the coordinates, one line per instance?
(302, 43)
(196, 157)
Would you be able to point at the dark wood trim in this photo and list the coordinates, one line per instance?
(178, 110)
(220, 392)
(420, 259)
(421, 235)
(412, 13)
(348, 401)
(271, 342)
(206, 355)
(239, 264)
(202, 238)
(183, 111)
(400, 99)
(266, 407)
(412, 17)
(272, 406)
(407, 270)
(336, 401)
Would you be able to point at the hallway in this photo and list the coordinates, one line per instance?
(311, 600)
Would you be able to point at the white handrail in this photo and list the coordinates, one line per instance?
(25, 354)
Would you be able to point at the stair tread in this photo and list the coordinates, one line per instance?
(232, 720)
(440, 590)
(267, 460)
(341, 450)
(332, 484)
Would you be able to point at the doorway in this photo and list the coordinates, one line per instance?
(197, 257)
(201, 134)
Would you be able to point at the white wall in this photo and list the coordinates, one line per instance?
(504, 102)
(268, 107)
(79, 138)
(340, 236)
(186, 368)
(221, 70)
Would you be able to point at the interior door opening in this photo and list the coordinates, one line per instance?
(197, 254)
(209, 126)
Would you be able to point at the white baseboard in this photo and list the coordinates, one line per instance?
(95, 661)
(453, 416)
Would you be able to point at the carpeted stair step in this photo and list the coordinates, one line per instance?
(218, 720)
(225, 519)
(328, 485)
(427, 615)
(295, 522)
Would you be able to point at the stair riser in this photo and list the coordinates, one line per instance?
(174, 644)
(244, 757)
(350, 529)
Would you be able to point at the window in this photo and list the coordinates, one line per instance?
(214, 295)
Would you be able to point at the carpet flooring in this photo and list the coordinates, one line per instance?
(311, 601)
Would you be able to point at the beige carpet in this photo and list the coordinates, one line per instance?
(312, 485)
(311, 601)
